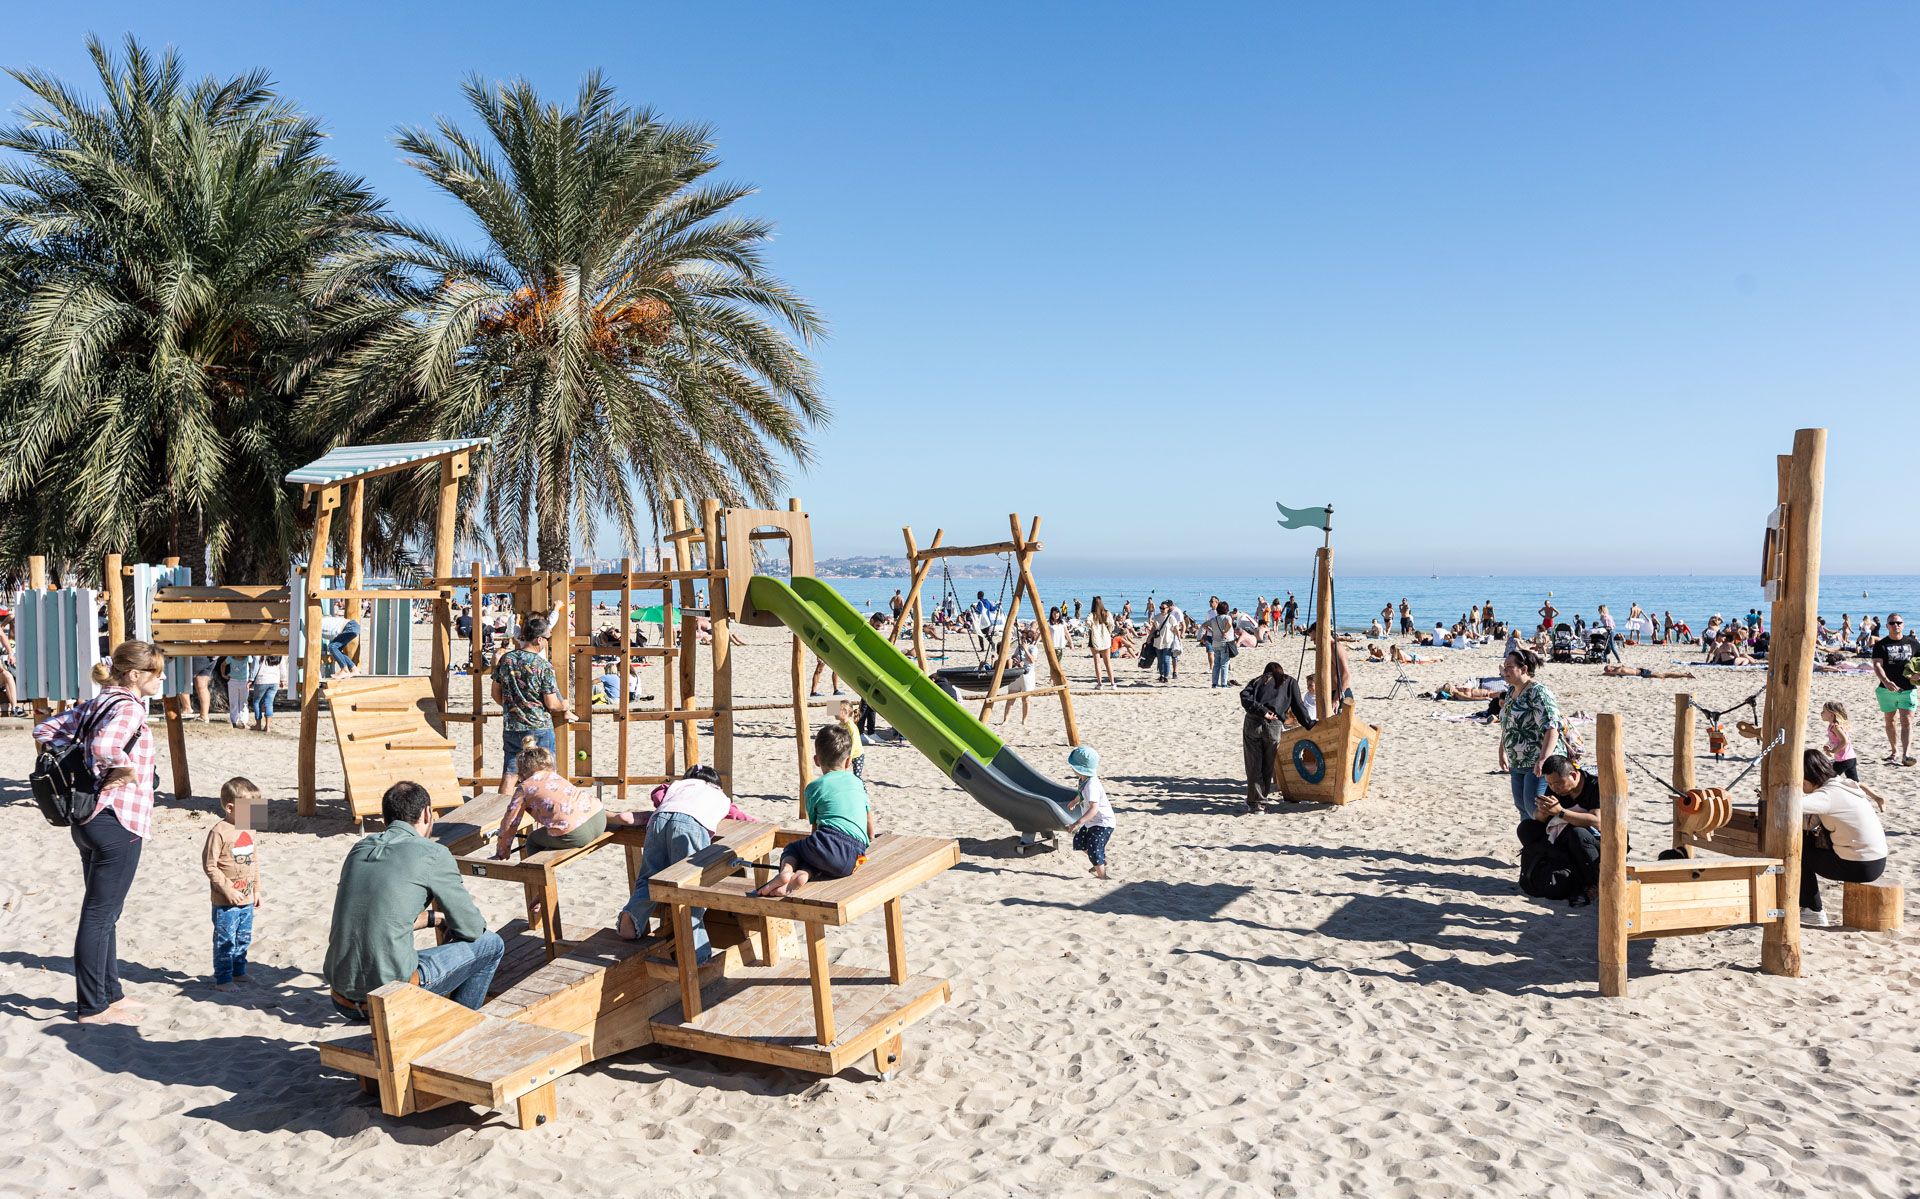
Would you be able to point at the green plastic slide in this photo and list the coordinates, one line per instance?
(933, 722)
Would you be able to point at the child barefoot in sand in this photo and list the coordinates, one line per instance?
(232, 863)
(842, 821)
(1095, 826)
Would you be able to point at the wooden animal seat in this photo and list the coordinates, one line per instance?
(1873, 907)
(390, 729)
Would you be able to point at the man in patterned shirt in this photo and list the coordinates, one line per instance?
(525, 688)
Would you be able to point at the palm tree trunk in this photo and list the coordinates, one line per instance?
(555, 537)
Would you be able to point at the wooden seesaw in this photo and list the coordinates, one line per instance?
(558, 1004)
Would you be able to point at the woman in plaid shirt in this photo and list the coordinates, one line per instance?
(121, 752)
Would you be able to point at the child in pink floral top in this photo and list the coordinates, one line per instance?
(564, 816)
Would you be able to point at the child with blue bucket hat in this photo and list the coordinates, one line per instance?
(1095, 826)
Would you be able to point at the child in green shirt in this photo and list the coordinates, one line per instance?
(841, 818)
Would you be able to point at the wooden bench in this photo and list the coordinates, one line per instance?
(789, 1013)
(1873, 907)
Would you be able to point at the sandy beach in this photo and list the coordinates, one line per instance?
(1313, 1000)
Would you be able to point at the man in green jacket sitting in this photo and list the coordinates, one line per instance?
(387, 885)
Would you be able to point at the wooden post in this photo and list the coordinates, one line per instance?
(1008, 630)
(1025, 555)
(476, 674)
(1771, 699)
(1790, 669)
(918, 568)
(580, 660)
(803, 749)
(1323, 697)
(1614, 904)
(324, 504)
(722, 644)
(174, 711)
(1683, 776)
(625, 698)
(689, 635)
(820, 979)
(116, 602)
(445, 521)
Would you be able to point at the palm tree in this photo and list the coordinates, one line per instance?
(617, 334)
(154, 247)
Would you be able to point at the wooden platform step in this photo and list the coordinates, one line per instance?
(497, 1061)
(765, 1014)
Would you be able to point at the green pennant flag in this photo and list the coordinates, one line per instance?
(1305, 518)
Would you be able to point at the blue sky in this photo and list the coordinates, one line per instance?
(1517, 287)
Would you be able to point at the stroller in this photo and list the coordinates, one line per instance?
(1566, 647)
(1596, 646)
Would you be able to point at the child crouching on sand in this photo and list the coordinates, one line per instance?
(231, 860)
(842, 821)
(1095, 826)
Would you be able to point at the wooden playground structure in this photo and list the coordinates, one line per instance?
(1020, 549)
(1332, 762)
(389, 716)
(1754, 875)
(559, 1003)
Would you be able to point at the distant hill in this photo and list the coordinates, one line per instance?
(896, 568)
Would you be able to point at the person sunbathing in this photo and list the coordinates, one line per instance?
(1629, 672)
(1406, 659)
(1466, 691)
(1376, 654)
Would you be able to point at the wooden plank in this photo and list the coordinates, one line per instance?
(497, 1060)
(1790, 674)
(409, 1021)
(255, 610)
(235, 591)
(684, 961)
(820, 981)
(896, 941)
(536, 1108)
(765, 1014)
(222, 630)
(1704, 914)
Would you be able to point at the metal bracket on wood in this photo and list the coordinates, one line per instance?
(1776, 868)
(1776, 913)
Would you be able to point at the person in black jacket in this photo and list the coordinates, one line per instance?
(1269, 700)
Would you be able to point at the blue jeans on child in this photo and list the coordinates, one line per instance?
(1527, 787)
(260, 702)
(232, 936)
(671, 837)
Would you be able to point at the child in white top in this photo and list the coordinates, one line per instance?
(1095, 826)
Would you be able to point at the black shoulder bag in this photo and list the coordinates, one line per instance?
(63, 780)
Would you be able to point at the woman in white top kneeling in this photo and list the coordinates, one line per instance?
(1844, 839)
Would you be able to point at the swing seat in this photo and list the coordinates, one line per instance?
(977, 679)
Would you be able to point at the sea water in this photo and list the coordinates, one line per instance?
(1445, 599)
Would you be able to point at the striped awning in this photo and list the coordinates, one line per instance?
(351, 462)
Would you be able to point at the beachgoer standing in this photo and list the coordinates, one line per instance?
(1547, 613)
(1290, 613)
(1223, 642)
(1893, 657)
(525, 688)
(1100, 642)
(1529, 730)
(1406, 617)
(1613, 643)
(231, 860)
(120, 755)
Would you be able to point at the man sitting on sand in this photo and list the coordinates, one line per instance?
(393, 883)
(1611, 670)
